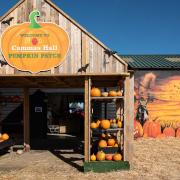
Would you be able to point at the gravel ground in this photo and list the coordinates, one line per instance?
(153, 159)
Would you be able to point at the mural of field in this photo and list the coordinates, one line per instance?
(158, 92)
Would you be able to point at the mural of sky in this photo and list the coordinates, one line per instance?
(161, 91)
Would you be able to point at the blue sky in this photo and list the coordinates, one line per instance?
(127, 26)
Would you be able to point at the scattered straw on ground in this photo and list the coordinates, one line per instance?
(153, 159)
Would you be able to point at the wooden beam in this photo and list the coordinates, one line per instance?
(66, 75)
(87, 121)
(129, 119)
(26, 116)
(32, 82)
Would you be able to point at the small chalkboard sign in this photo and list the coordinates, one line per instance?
(38, 109)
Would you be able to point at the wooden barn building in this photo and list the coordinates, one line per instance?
(48, 66)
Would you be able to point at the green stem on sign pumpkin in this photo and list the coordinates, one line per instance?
(32, 18)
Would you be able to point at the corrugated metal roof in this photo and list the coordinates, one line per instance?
(152, 61)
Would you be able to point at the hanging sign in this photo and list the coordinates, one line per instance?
(34, 46)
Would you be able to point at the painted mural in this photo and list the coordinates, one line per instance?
(157, 103)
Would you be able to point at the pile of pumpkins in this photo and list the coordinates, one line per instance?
(106, 124)
(96, 92)
(101, 156)
(4, 137)
(107, 141)
(153, 129)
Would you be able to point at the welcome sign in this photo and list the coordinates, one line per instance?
(34, 46)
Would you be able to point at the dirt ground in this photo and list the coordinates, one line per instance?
(153, 159)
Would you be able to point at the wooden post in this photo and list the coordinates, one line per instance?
(86, 120)
(26, 116)
(129, 118)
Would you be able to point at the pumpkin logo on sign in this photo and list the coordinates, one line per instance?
(34, 46)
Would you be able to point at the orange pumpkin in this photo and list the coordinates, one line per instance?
(138, 129)
(111, 142)
(95, 92)
(117, 157)
(178, 133)
(119, 123)
(5, 137)
(109, 157)
(93, 125)
(112, 93)
(98, 123)
(100, 156)
(34, 46)
(152, 129)
(102, 143)
(114, 120)
(169, 132)
(1, 140)
(161, 135)
(105, 124)
(119, 93)
(93, 157)
(103, 135)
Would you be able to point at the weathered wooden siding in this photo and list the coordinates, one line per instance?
(83, 48)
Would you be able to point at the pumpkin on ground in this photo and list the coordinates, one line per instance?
(102, 143)
(105, 124)
(138, 130)
(95, 92)
(109, 157)
(178, 133)
(117, 157)
(93, 157)
(93, 125)
(4, 137)
(22, 45)
(111, 142)
(152, 128)
(100, 156)
(169, 132)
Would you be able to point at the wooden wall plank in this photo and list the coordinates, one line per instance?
(85, 51)
(26, 116)
(91, 56)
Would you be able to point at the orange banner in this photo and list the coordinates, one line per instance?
(34, 46)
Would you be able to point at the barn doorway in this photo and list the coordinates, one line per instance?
(57, 119)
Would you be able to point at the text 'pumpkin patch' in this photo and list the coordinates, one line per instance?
(33, 46)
